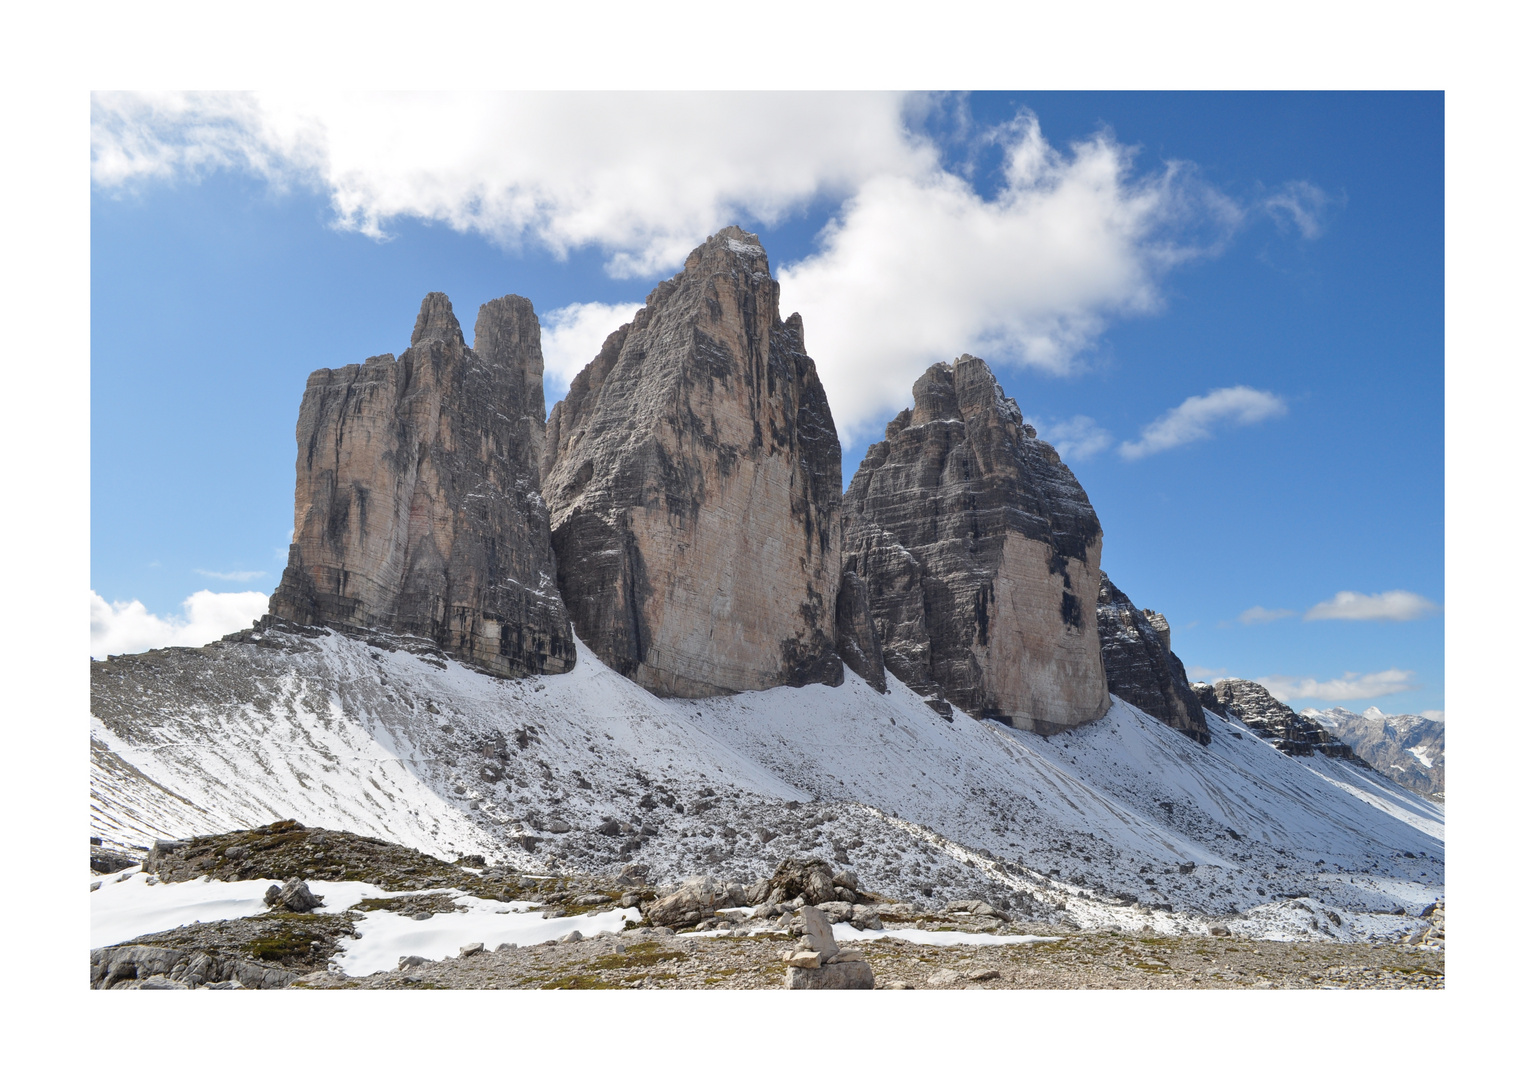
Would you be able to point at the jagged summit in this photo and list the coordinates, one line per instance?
(980, 551)
(694, 481)
(416, 507)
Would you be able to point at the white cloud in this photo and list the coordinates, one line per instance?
(1300, 204)
(1204, 674)
(1263, 615)
(1197, 416)
(1396, 605)
(232, 575)
(1351, 687)
(1433, 714)
(915, 267)
(1077, 439)
(572, 335)
(643, 176)
(129, 627)
(919, 268)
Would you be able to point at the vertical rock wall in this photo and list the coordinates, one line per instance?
(694, 481)
(1141, 666)
(417, 508)
(980, 551)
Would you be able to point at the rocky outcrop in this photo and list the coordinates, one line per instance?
(980, 551)
(694, 481)
(1407, 748)
(857, 636)
(1272, 720)
(417, 509)
(1141, 667)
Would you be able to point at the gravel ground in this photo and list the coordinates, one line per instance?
(649, 958)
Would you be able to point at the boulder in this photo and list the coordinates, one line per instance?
(857, 976)
(417, 508)
(293, 895)
(980, 551)
(1141, 667)
(698, 899)
(694, 481)
(810, 880)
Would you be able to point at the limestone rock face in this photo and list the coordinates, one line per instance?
(417, 509)
(694, 481)
(857, 636)
(980, 551)
(1141, 666)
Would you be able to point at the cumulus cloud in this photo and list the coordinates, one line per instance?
(1433, 714)
(233, 575)
(1351, 687)
(129, 627)
(1204, 674)
(919, 268)
(1198, 416)
(1299, 204)
(1396, 605)
(642, 176)
(571, 336)
(1029, 276)
(1077, 439)
(1263, 615)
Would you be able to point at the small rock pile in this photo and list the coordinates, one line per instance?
(820, 963)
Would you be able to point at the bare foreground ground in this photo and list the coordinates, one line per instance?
(648, 958)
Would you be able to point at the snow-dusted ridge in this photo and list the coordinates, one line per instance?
(1100, 824)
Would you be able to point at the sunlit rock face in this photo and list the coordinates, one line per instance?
(694, 481)
(980, 551)
(417, 508)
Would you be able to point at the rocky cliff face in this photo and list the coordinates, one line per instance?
(1250, 703)
(1407, 748)
(694, 481)
(1141, 666)
(417, 508)
(980, 551)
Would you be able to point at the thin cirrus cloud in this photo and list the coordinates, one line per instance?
(1302, 205)
(129, 627)
(1395, 605)
(1259, 615)
(1199, 417)
(1353, 686)
(1029, 276)
(233, 575)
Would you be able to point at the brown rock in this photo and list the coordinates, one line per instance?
(417, 509)
(694, 479)
(980, 551)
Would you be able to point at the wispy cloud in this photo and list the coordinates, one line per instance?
(1396, 605)
(573, 334)
(1261, 615)
(1433, 714)
(1300, 204)
(1351, 687)
(129, 627)
(233, 575)
(1204, 674)
(1076, 439)
(1198, 417)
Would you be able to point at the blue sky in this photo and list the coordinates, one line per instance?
(1265, 269)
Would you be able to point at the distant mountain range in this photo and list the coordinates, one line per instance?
(1409, 749)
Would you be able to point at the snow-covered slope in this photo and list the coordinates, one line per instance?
(1122, 822)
